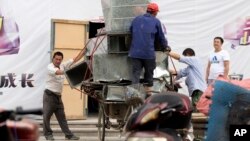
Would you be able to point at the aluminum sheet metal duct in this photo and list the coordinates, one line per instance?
(97, 45)
(78, 73)
(118, 14)
(115, 67)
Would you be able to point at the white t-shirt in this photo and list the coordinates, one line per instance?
(216, 60)
(54, 82)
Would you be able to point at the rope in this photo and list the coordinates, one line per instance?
(90, 69)
(173, 63)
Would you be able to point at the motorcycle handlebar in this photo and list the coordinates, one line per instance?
(168, 110)
(11, 114)
(31, 111)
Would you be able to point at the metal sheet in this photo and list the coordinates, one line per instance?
(111, 67)
(76, 74)
(118, 14)
(94, 42)
(116, 93)
(114, 67)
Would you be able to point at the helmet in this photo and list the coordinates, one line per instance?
(153, 7)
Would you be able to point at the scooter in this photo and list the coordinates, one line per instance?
(13, 127)
(163, 117)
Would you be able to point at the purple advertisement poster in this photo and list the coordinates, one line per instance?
(9, 37)
(238, 31)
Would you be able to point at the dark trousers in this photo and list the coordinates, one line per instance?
(195, 98)
(52, 103)
(148, 65)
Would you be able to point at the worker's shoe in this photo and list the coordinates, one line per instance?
(71, 137)
(49, 137)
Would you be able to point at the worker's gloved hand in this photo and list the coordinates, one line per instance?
(167, 49)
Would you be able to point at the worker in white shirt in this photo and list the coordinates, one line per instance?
(218, 63)
(52, 101)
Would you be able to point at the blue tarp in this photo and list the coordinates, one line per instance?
(224, 95)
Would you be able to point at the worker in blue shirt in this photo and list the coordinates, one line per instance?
(194, 74)
(145, 29)
(195, 80)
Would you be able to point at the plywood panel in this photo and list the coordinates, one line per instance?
(69, 34)
(73, 103)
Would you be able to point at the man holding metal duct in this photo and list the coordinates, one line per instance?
(195, 79)
(52, 102)
(194, 74)
(145, 29)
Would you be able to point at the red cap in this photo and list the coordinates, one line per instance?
(153, 7)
